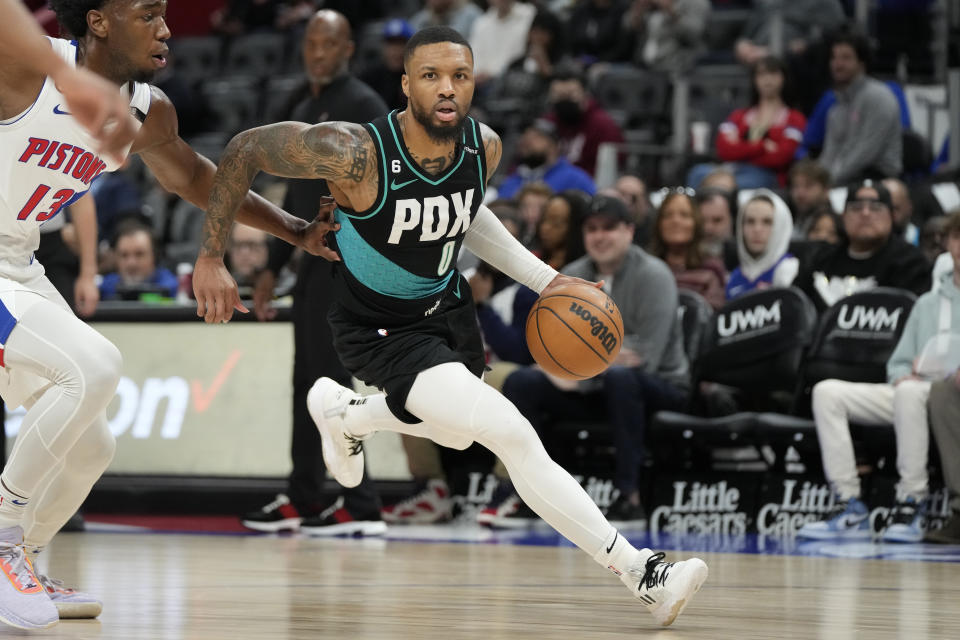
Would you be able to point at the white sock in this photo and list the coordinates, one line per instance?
(13, 505)
(618, 555)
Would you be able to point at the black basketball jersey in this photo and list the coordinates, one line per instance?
(399, 256)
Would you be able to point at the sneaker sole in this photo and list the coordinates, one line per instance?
(290, 524)
(904, 537)
(358, 528)
(424, 519)
(857, 534)
(338, 467)
(78, 610)
(694, 577)
(10, 618)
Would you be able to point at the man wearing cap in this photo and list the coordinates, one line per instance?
(870, 255)
(538, 159)
(650, 374)
(385, 77)
(333, 94)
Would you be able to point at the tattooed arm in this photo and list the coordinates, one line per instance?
(341, 153)
(493, 148)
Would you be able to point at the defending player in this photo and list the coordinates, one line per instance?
(408, 188)
(60, 369)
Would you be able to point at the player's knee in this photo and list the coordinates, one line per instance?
(96, 447)
(102, 368)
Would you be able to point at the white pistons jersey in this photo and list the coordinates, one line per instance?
(47, 161)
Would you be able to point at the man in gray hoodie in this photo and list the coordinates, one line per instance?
(863, 136)
(926, 352)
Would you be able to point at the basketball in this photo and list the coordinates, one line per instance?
(575, 331)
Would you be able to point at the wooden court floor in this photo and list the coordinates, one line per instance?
(197, 587)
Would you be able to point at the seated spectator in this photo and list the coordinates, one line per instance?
(803, 22)
(721, 179)
(633, 192)
(677, 238)
(902, 210)
(901, 402)
(809, 185)
(945, 424)
(531, 201)
(665, 35)
(532, 71)
(823, 225)
(459, 15)
(498, 37)
(759, 141)
(933, 241)
(651, 372)
(863, 133)
(869, 256)
(595, 30)
(247, 255)
(539, 160)
(385, 76)
(763, 237)
(717, 213)
(558, 242)
(137, 271)
(582, 124)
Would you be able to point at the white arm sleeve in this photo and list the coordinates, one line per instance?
(489, 240)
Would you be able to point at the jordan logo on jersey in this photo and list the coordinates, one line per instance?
(65, 158)
(432, 216)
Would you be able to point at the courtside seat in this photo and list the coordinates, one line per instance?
(694, 440)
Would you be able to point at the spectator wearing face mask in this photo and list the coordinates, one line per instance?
(582, 124)
(763, 236)
(539, 159)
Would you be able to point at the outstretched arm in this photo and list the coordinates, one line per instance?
(341, 153)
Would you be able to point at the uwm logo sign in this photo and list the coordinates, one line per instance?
(874, 319)
(749, 321)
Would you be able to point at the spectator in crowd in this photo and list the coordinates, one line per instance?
(137, 271)
(334, 94)
(863, 133)
(633, 192)
(933, 241)
(677, 240)
(651, 372)
(665, 35)
(804, 21)
(531, 72)
(247, 255)
(459, 15)
(902, 402)
(720, 178)
(763, 238)
(945, 424)
(539, 160)
(809, 185)
(760, 140)
(238, 17)
(385, 77)
(531, 201)
(498, 37)
(582, 124)
(558, 239)
(902, 211)
(823, 225)
(869, 256)
(595, 30)
(716, 211)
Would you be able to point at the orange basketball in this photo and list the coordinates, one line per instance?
(575, 331)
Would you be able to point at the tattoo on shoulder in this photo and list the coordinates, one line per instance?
(493, 148)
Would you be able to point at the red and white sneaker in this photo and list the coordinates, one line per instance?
(506, 510)
(337, 520)
(432, 504)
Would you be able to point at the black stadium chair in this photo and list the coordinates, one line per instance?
(855, 338)
(695, 316)
(196, 59)
(633, 97)
(258, 55)
(234, 103)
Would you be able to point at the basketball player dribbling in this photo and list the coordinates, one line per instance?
(61, 370)
(408, 188)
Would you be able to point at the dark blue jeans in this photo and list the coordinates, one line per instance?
(628, 397)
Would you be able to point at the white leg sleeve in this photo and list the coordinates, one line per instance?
(913, 437)
(84, 369)
(835, 404)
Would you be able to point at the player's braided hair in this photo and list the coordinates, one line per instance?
(72, 14)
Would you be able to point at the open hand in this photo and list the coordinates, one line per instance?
(215, 290)
(313, 237)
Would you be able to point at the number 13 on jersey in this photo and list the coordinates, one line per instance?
(60, 198)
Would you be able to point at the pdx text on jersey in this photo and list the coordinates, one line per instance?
(432, 216)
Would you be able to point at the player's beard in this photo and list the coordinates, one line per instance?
(438, 134)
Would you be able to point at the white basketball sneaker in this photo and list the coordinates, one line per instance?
(327, 402)
(23, 601)
(665, 587)
(70, 603)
